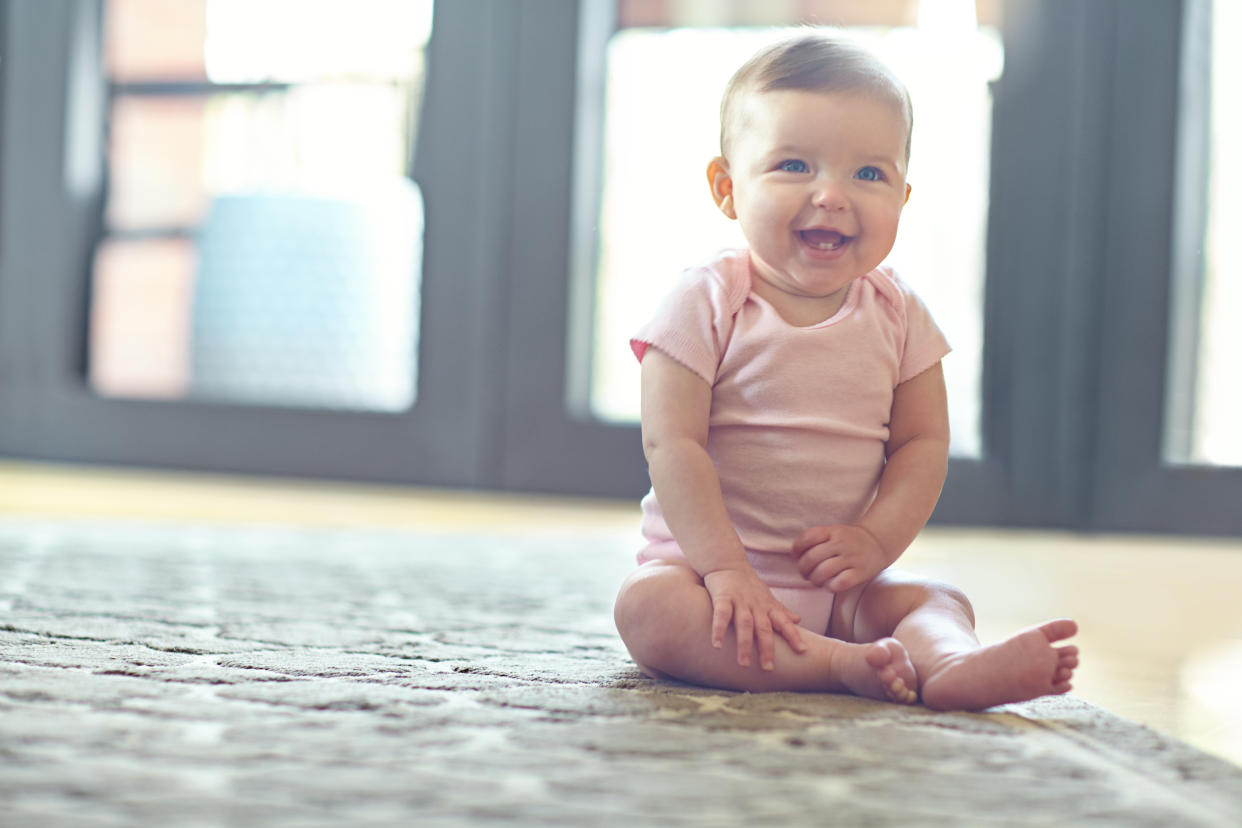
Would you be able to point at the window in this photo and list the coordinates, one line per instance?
(1204, 403)
(1166, 386)
(261, 238)
(665, 76)
(86, 216)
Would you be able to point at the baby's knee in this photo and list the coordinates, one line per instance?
(645, 601)
(632, 599)
(948, 594)
(912, 591)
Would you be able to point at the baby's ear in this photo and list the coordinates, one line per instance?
(722, 185)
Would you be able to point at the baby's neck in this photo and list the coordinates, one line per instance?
(800, 311)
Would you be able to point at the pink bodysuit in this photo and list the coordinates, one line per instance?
(799, 416)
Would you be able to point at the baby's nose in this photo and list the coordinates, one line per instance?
(829, 195)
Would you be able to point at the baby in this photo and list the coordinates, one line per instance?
(795, 425)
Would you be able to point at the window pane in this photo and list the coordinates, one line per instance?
(661, 127)
(1218, 401)
(140, 321)
(155, 39)
(1204, 404)
(155, 159)
(259, 156)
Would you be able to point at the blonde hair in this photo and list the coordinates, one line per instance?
(814, 62)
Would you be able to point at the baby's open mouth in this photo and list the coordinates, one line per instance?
(823, 239)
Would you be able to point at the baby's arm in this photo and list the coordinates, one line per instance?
(917, 459)
(676, 404)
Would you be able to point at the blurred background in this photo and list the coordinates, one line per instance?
(404, 242)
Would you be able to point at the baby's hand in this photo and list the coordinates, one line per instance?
(738, 596)
(839, 557)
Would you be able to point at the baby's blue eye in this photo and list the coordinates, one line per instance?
(870, 174)
(793, 165)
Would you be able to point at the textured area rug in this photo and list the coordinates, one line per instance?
(182, 675)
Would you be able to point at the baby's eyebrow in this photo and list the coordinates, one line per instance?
(881, 160)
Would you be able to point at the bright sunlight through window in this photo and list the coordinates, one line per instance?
(657, 218)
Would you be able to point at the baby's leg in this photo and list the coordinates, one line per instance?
(664, 613)
(935, 622)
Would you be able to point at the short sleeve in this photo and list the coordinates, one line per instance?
(925, 343)
(693, 322)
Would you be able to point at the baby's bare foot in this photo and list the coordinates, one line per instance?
(1023, 667)
(880, 670)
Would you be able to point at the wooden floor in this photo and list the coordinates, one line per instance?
(1161, 623)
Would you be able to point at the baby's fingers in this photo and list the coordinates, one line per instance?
(767, 642)
(810, 538)
(826, 570)
(847, 580)
(722, 614)
(744, 626)
(811, 558)
(790, 631)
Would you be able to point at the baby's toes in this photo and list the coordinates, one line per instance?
(897, 675)
(895, 687)
(901, 694)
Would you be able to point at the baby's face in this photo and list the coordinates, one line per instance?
(818, 181)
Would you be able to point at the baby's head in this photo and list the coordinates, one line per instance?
(815, 142)
(811, 63)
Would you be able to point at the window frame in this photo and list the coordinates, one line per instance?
(1152, 279)
(551, 444)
